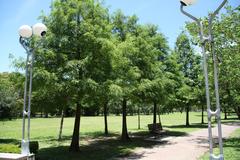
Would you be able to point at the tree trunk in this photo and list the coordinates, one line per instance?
(131, 113)
(237, 110)
(139, 118)
(74, 147)
(46, 115)
(154, 128)
(225, 113)
(125, 136)
(61, 125)
(154, 113)
(187, 115)
(159, 119)
(105, 117)
(202, 114)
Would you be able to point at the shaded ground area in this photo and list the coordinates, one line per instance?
(94, 146)
(188, 147)
(103, 148)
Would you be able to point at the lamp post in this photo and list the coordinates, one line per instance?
(204, 39)
(26, 32)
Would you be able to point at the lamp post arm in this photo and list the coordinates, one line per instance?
(218, 9)
(212, 16)
(198, 21)
(189, 15)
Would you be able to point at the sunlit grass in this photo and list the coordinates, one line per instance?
(92, 140)
(49, 127)
(231, 148)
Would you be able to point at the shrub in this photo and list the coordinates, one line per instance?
(34, 146)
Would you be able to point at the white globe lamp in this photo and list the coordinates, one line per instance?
(39, 29)
(25, 31)
(187, 2)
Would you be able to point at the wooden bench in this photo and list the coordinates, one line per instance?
(154, 128)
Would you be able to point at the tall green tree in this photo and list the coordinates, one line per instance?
(190, 64)
(127, 73)
(126, 80)
(76, 37)
(152, 50)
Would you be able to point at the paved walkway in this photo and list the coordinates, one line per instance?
(189, 147)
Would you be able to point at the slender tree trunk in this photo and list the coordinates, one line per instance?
(105, 117)
(131, 113)
(225, 113)
(154, 112)
(46, 115)
(187, 115)
(154, 128)
(202, 114)
(237, 110)
(139, 118)
(74, 147)
(61, 126)
(159, 119)
(125, 136)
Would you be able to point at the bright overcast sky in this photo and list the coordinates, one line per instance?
(164, 13)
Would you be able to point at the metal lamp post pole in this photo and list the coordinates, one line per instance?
(27, 94)
(26, 32)
(217, 113)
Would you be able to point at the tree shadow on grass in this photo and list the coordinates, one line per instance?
(164, 133)
(232, 123)
(231, 118)
(194, 125)
(174, 133)
(233, 142)
(7, 141)
(10, 141)
(103, 148)
(85, 135)
(96, 150)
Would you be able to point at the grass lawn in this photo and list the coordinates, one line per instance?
(231, 148)
(93, 144)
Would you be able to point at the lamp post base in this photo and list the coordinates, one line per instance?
(214, 157)
(25, 147)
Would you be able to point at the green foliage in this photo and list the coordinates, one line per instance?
(190, 68)
(10, 92)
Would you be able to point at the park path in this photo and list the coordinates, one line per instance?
(189, 147)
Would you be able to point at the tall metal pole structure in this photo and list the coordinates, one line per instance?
(27, 95)
(26, 33)
(204, 39)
